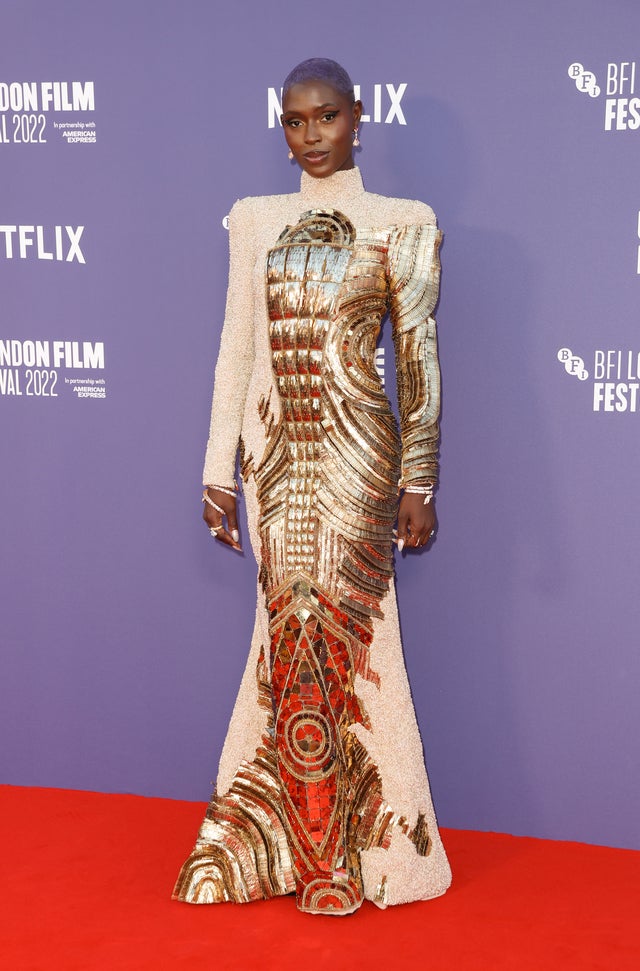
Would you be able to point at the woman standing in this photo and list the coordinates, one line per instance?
(322, 788)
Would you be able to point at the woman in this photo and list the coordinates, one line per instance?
(322, 788)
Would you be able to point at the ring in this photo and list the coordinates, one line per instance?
(214, 530)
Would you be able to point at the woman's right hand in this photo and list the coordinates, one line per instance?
(215, 519)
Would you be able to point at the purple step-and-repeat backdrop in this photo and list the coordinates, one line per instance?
(127, 130)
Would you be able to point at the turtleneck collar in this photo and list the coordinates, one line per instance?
(330, 191)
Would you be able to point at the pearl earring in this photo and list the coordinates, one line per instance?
(290, 155)
(356, 140)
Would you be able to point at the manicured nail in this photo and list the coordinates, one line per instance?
(235, 534)
(400, 544)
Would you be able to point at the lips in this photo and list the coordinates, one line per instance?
(315, 156)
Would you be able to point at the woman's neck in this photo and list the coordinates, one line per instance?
(344, 184)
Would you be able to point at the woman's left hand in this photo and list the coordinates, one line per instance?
(416, 521)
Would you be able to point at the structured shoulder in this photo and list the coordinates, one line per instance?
(418, 212)
(256, 205)
(241, 210)
(402, 212)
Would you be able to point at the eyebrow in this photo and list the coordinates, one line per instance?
(327, 104)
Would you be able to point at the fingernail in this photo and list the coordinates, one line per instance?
(400, 544)
(235, 534)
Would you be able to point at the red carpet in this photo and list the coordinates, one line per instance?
(87, 880)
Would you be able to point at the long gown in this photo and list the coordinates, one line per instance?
(322, 787)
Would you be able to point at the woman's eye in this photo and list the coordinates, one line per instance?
(292, 123)
(329, 116)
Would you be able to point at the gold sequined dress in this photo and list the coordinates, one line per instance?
(322, 787)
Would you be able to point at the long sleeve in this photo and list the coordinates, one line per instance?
(414, 275)
(235, 358)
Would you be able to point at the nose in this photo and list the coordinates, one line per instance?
(312, 133)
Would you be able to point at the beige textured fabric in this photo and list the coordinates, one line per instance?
(243, 377)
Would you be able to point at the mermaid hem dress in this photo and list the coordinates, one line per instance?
(322, 788)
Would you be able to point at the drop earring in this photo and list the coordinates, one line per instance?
(290, 155)
(356, 140)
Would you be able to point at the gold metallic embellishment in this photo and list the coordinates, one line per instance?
(301, 813)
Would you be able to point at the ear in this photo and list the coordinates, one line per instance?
(357, 113)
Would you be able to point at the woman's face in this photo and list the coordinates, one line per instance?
(318, 124)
